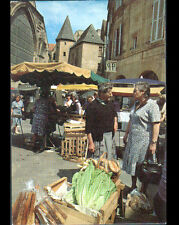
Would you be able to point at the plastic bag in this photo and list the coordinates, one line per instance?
(40, 193)
(139, 202)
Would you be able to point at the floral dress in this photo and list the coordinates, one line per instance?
(40, 117)
(140, 134)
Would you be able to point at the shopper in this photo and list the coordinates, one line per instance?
(142, 131)
(101, 123)
(40, 119)
(75, 105)
(88, 101)
(16, 111)
(68, 100)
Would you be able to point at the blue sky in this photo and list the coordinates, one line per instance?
(81, 15)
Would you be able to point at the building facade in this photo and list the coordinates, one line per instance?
(87, 52)
(28, 39)
(135, 39)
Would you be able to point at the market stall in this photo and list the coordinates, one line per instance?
(74, 146)
(45, 75)
(92, 198)
(54, 73)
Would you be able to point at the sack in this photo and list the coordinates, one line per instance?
(150, 171)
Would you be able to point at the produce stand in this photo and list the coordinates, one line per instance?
(53, 205)
(106, 214)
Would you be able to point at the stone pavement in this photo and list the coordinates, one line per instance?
(48, 166)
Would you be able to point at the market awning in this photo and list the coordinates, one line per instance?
(135, 80)
(128, 91)
(53, 73)
(77, 87)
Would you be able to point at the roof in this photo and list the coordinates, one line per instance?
(51, 47)
(66, 32)
(90, 36)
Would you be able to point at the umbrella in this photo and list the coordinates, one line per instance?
(135, 80)
(47, 74)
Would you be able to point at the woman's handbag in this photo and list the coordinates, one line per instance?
(150, 171)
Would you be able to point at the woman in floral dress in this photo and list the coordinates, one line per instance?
(142, 131)
(40, 117)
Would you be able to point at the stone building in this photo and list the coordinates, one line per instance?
(28, 39)
(135, 39)
(64, 41)
(87, 52)
(51, 52)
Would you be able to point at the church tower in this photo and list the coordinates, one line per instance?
(64, 41)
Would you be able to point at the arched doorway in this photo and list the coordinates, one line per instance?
(120, 77)
(149, 75)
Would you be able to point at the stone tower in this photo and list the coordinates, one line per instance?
(64, 41)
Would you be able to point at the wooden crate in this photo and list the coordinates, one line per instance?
(74, 145)
(70, 128)
(106, 214)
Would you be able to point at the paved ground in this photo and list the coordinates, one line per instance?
(48, 166)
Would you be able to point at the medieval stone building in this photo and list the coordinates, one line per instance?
(28, 35)
(87, 52)
(83, 49)
(135, 39)
(64, 41)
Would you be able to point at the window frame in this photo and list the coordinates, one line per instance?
(155, 21)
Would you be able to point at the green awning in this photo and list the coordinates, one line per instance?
(99, 79)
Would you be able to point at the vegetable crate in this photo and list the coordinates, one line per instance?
(74, 145)
(106, 214)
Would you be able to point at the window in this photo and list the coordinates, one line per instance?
(134, 42)
(100, 51)
(99, 67)
(115, 43)
(64, 53)
(158, 20)
(118, 4)
(119, 40)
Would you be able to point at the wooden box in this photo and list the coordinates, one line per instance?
(74, 145)
(106, 214)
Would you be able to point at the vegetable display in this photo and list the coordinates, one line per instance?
(91, 187)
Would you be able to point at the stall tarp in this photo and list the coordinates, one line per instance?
(128, 91)
(29, 67)
(135, 80)
(53, 73)
(98, 78)
(77, 87)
